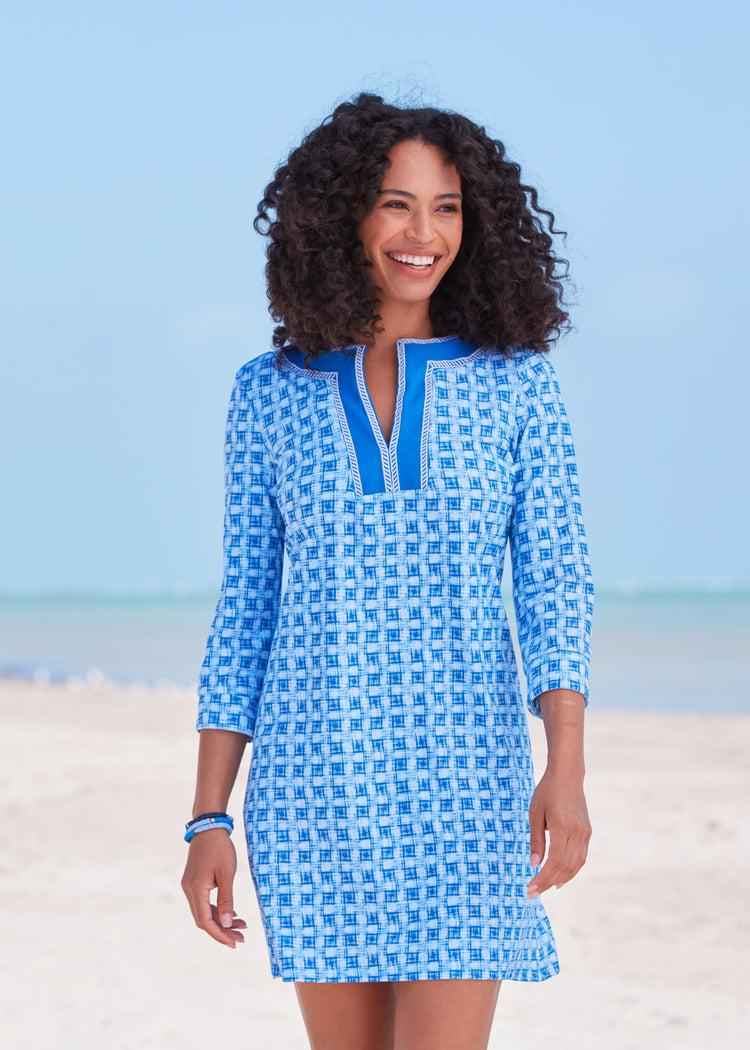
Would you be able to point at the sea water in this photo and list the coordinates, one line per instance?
(652, 650)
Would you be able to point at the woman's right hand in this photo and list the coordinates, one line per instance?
(211, 864)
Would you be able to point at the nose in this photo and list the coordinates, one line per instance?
(420, 226)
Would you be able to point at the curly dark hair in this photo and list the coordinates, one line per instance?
(505, 287)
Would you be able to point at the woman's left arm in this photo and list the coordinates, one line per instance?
(553, 593)
(558, 805)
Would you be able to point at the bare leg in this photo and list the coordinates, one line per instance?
(444, 1015)
(348, 1015)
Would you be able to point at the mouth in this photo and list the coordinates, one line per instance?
(418, 263)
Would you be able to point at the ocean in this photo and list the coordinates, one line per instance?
(652, 650)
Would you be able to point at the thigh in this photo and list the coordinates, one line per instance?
(348, 1015)
(444, 1015)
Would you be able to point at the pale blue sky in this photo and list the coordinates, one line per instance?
(138, 138)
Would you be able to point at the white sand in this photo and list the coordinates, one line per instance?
(99, 949)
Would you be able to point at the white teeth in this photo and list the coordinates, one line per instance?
(414, 260)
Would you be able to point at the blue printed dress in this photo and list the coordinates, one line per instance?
(387, 804)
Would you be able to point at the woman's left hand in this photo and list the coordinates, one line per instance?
(558, 806)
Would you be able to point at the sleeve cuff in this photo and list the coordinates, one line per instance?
(235, 722)
(557, 671)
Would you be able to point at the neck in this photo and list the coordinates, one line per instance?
(409, 321)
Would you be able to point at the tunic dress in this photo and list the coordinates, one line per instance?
(386, 810)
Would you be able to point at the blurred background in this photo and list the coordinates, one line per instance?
(137, 138)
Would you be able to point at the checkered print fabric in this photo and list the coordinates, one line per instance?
(387, 804)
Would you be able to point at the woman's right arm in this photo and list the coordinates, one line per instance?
(237, 651)
(212, 861)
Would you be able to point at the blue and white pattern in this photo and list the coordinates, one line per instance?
(387, 803)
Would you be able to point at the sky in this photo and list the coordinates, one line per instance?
(137, 139)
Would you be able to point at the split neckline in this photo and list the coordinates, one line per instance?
(400, 463)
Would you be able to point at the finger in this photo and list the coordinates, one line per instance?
(575, 856)
(554, 871)
(537, 837)
(209, 922)
(567, 853)
(548, 876)
(237, 922)
(232, 932)
(224, 900)
(206, 916)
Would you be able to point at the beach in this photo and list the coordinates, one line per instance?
(99, 948)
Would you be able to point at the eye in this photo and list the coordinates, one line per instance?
(448, 207)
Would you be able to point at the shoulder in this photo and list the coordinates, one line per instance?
(526, 375)
(259, 370)
(532, 370)
(274, 369)
(260, 380)
(535, 382)
(519, 364)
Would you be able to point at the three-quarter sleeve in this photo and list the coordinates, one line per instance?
(552, 583)
(247, 612)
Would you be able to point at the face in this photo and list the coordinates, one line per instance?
(413, 233)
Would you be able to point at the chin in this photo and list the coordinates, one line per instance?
(410, 293)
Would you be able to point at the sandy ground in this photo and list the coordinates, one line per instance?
(99, 949)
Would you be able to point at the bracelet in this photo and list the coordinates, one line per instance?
(206, 816)
(206, 823)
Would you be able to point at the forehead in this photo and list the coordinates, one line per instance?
(416, 164)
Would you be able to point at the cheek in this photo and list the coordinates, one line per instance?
(372, 232)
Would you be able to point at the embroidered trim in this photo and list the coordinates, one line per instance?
(396, 429)
(388, 450)
(454, 362)
(424, 442)
(333, 379)
(372, 416)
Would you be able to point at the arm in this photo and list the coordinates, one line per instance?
(558, 804)
(247, 612)
(212, 861)
(552, 584)
(553, 594)
(236, 654)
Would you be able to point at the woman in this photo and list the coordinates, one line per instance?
(407, 427)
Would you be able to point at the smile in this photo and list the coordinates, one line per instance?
(416, 262)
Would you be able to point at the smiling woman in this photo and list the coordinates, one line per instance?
(413, 234)
(504, 287)
(405, 431)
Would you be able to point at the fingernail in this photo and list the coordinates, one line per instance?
(532, 892)
(535, 860)
(226, 919)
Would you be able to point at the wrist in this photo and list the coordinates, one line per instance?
(215, 805)
(566, 768)
(208, 822)
(565, 757)
(207, 835)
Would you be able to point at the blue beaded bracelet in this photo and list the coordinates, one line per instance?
(205, 816)
(207, 822)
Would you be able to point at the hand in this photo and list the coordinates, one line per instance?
(211, 864)
(559, 807)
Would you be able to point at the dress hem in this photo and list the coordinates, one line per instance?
(461, 973)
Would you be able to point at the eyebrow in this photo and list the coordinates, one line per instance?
(411, 196)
